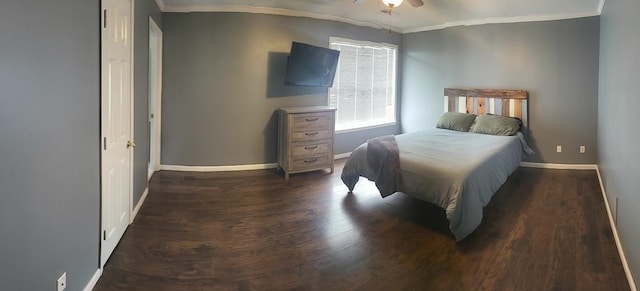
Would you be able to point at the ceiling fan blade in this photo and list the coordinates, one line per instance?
(415, 3)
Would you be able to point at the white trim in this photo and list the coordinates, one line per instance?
(290, 12)
(511, 19)
(161, 5)
(342, 156)
(217, 168)
(155, 155)
(616, 237)
(139, 205)
(601, 7)
(559, 166)
(132, 85)
(351, 42)
(150, 173)
(229, 168)
(354, 129)
(94, 280)
(271, 11)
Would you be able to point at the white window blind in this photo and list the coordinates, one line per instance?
(364, 88)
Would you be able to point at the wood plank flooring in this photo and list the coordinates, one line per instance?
(543, 230)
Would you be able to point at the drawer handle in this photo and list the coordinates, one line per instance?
(311, 133)
(311, 119)
(311, 148)
(311, 161)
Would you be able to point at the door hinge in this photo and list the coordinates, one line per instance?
(104, 143)
(104, 235)
(104, 18)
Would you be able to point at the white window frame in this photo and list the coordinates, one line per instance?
(394, 82)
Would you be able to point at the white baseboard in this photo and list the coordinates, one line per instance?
(559, 166)
(342, 156)
(231, 168)
(623, 258)
(94, 280)
(139, 205)
(217, 168)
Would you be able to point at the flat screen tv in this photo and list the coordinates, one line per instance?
(311, 65)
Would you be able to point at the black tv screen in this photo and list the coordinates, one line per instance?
(311, 65)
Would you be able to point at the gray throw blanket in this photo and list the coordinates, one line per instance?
(383, 156)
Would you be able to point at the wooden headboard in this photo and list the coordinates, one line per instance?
(482, 101)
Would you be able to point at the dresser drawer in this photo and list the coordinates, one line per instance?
(312, 121)
(311, 135)
(310, 162)
(309, 149)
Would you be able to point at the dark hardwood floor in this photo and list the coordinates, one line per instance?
(251, 230)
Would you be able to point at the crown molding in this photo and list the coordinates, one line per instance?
(289, 12)
(496, 20)
(601, 7)
(161, 5)
(272, 11)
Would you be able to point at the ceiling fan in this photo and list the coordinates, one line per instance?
(395, 3)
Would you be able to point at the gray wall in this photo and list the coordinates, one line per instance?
(143, 9)
(618, 134)
(223, 80)
(556, 61)
(50, 138)
(49, 143)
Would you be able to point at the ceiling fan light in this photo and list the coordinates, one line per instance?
(392, 3)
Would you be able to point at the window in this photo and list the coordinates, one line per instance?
(364, 88)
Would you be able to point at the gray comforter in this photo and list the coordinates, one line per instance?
(458, 171)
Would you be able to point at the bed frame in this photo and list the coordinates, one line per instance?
(511, 103)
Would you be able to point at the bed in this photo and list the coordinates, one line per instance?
(456, 170)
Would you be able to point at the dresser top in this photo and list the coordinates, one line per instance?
(307, 109)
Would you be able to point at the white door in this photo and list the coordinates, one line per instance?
(155, 93)
(116, 123)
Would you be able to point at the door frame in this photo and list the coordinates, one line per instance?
(155, 100)
(132, 154)
(102, 261)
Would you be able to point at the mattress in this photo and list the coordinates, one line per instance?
(458, 171)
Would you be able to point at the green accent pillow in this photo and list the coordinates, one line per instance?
(496, 125)
(456, 121)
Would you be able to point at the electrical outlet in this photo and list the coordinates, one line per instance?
(558, 148)
(583, 149)
(62, 282)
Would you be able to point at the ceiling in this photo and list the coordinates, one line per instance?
(434, 14)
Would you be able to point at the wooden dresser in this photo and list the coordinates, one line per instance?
(305, 139)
